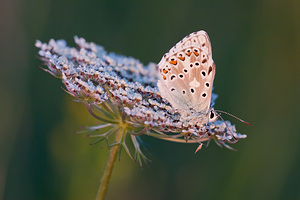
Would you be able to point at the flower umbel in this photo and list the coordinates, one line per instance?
(122, 94)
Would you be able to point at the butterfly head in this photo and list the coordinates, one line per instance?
(212, 115)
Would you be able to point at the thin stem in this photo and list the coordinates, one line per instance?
(109, 166)
(179, 140)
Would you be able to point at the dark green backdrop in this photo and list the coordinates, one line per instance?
(256, 47)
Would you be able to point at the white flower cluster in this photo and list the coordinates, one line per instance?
(94, 76)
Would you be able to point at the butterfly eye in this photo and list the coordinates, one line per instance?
(188, 52)
(212, 116)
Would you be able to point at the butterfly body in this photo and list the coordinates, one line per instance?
(186, 78)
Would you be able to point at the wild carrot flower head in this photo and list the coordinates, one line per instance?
(122, 94)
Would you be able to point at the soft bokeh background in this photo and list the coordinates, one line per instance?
(256, 46)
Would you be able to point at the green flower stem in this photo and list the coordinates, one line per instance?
(109, 166)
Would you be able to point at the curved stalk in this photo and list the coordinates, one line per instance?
(109, 166)
(179, 140)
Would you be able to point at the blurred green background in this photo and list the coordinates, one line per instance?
(256, 47)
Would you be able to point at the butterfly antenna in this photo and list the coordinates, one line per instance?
(220, 111)
(219, 115)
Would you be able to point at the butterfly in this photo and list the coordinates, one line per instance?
(186, 78)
